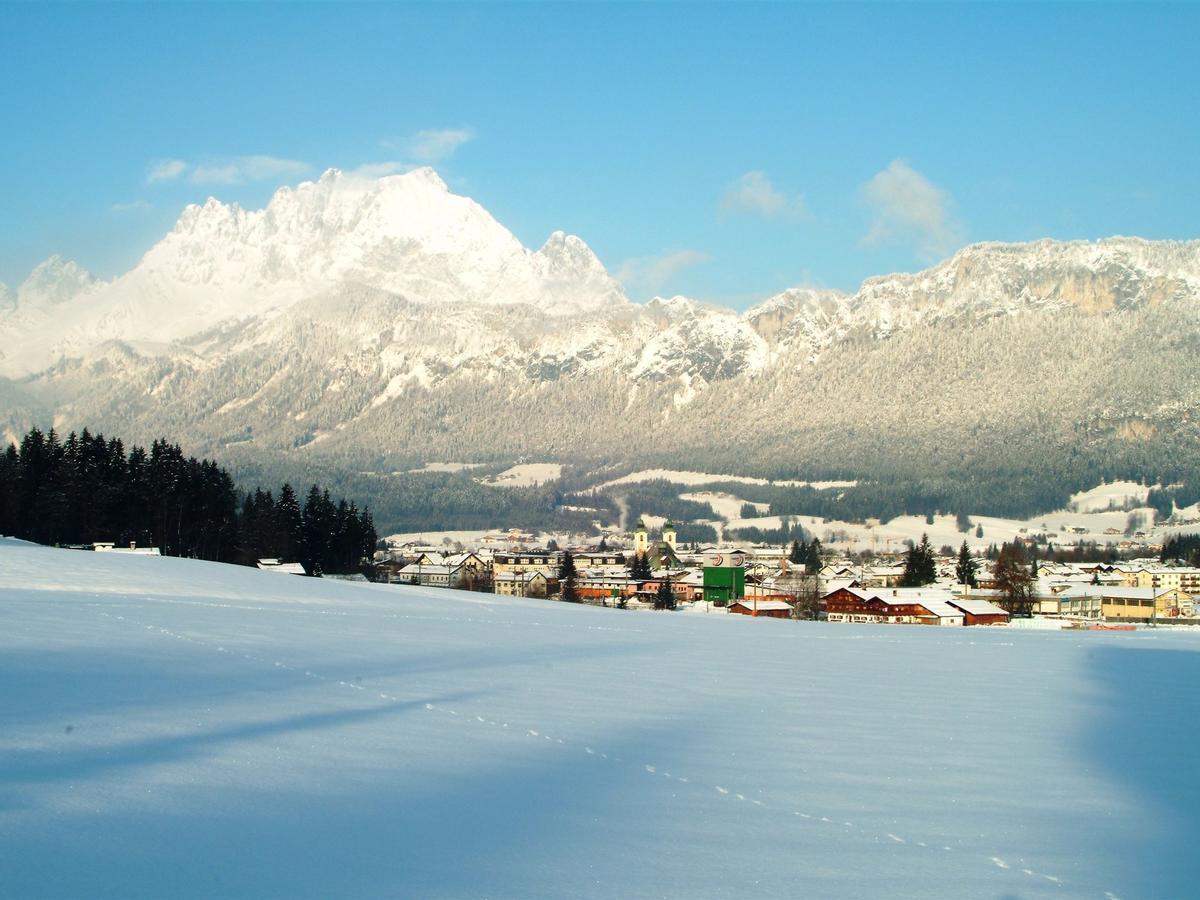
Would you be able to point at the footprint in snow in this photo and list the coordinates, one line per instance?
(721, 790)
(1001, 863)
(533, 733)
(589, 751)
(898, 840)
(650, 769)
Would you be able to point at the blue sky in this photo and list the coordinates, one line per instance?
(722, 151)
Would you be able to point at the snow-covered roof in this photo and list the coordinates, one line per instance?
(977, 606)
(763, 605)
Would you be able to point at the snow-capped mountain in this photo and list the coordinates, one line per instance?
(404, 234)
(366, 316)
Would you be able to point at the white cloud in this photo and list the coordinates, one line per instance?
(241, 169)
(231, 170)
(432, 145)
(908, 207)
(754, 193)
(166, 170)
(380, 169)
(650, 273)
(131, 206)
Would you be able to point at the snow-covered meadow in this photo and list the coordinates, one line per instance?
(171, 728)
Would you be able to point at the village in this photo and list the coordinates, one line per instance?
(770, 582)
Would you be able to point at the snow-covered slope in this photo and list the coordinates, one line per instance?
(403, 234)
(355, 317)
(180, 729)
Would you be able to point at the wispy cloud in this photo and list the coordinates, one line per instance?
(380, 169)
(431, 145)
(230, 170)
(754, 194)
(165, 170)
(650, 273)
(908, 208)
(248, 168)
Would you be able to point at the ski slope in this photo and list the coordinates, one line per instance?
(173, 728)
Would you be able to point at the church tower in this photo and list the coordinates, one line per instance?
(641, 539)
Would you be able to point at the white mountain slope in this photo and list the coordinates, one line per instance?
(358, 316)
(175, 728)
(403, 234)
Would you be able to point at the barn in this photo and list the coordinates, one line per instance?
(772, 609)
(977, 611)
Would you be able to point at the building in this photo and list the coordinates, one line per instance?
(110, 547)
(279, 568)
(901, 606)
(521, 561)
(611, 561)
(1125, 604)
(771, 609)
(661, 554)
(978, 611)
(535, 583)
(723, 584)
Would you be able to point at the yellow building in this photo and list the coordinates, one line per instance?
(1127, 604)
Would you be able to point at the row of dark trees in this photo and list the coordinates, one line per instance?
(806, 554)
(1185, 547)
(87, 489)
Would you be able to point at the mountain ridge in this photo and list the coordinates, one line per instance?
(415, 333)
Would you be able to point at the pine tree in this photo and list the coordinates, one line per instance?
(567, 575)
(920, 567)
(664, 597)
(798, 553)
(812, 561)
(966, 568)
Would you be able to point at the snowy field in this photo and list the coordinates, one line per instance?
(526, 475)
(173, 728)
(699, 478)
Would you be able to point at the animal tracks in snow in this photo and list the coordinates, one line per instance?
(996, 862)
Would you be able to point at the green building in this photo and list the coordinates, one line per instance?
(724, 583)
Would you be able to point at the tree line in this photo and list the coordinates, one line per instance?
(87, 489)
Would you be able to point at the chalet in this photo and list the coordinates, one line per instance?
(905, 606)
(978, 611)
(771, 609)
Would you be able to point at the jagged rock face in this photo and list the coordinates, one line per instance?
(353, 313)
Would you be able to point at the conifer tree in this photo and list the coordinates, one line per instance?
(919, 565)
(567, 575)
(966, 568)
(664, 597)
